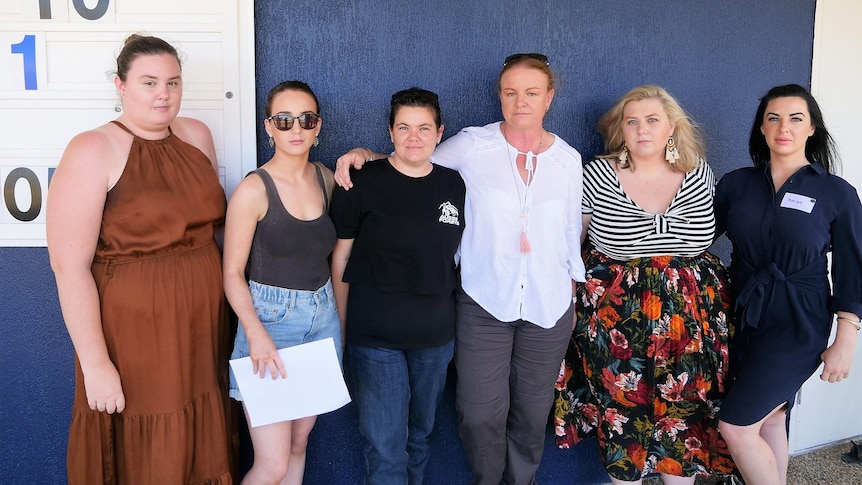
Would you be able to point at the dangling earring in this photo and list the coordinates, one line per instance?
(118, 106)
(271, 142)
(671, 153)
(624, 155)
(316, 141)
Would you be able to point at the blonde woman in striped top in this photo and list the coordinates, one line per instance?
(648, 359)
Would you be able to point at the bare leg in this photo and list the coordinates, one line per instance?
(271, 448)
(298, 445)
(279, 452)
(754, 453)
(774, 432)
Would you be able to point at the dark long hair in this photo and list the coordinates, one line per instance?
(819, 148)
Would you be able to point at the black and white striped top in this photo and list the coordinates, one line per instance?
(620, 229)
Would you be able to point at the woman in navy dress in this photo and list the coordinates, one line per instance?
(783, 216)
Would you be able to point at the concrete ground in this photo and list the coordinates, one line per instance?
(819, 467)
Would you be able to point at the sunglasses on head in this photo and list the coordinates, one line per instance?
(284, 122)
(530, 55)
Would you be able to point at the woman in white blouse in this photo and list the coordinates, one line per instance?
(647, 365)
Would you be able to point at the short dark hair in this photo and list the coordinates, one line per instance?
(291, 85)
(819, 148)
(137, 45)
(416, 97)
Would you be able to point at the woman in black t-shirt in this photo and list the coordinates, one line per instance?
(394, 276)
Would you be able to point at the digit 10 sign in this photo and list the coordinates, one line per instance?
(81, 8)
(22, 61)
(68, 10)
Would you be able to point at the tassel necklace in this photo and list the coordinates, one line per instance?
(530, 159)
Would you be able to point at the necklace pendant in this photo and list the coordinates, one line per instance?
(525, 244)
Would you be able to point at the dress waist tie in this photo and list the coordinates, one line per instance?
(752, 295)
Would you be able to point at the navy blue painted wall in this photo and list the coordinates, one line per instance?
(716, 57)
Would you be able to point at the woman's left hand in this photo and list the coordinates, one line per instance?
(837, 359)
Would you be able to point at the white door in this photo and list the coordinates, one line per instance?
(56, 60)
(825, 412)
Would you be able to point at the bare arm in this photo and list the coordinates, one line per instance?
(355, 158)
(247, 206)
(340, 255)
(76, 201)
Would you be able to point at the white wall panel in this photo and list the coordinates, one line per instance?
(61, 82)
(825, 412)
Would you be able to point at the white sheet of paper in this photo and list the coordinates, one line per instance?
(314, 384)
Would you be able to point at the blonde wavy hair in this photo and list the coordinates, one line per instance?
(688, 136)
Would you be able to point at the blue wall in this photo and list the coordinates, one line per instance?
(716, 57)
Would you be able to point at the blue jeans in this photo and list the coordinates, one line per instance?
(397, 393)
(291, 317)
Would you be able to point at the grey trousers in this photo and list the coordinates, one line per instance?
(506, 376)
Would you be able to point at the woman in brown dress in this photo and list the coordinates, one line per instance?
(132, 209)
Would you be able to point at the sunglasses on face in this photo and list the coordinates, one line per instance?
(530, 55)
(284, 122)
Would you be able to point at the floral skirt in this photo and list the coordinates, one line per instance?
(646, 368)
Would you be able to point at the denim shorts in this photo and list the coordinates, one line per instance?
(291, 317)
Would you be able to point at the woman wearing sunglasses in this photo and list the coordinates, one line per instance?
(395, 277)
(278, 232)
(520, 257)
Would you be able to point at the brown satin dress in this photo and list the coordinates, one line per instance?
(158, 273)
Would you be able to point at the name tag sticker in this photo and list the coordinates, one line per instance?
(799, 202)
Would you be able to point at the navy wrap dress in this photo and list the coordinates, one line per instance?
(779, 280)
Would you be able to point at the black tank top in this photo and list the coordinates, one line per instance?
(288, 252)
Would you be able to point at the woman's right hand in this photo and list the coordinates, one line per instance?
(104, 390)
(265, 356)
(355, 158)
